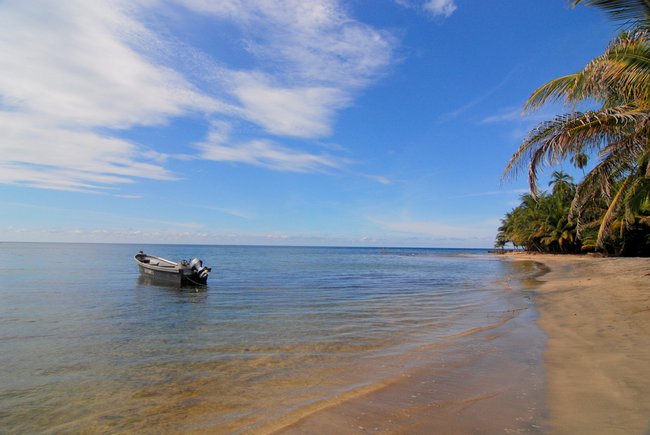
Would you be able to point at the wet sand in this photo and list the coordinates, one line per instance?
(596, 313)
(590, 374)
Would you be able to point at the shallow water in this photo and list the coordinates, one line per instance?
(88, 345)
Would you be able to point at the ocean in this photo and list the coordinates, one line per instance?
(88, 345)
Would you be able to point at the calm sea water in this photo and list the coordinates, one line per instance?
(87, 346)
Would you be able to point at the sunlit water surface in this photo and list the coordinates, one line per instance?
(87, 345)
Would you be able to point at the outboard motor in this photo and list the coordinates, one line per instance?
(199, 269)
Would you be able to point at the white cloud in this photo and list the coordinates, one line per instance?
(310, 58)
(36, 153)
(298, 111)
(75, 73)
(218, 146)
(440, 7)
(444, 8)
(73, 63)
(315, 41)
(69, 69)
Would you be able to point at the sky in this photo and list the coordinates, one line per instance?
(274, 122)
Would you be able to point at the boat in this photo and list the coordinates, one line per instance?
(183, 272)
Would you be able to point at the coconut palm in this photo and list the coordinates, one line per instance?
(562, 183)
(580, 161)
(618, 131)
(542, 223)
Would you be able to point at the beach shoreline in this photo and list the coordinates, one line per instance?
(596, 314)
(484, 380)
(595, 362)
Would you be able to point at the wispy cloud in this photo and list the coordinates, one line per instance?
(51, 155)
(77, 74)
(218, 146)
(476, 101)
(302, 111)
(423, 228)
(68, 69)
(519, 123)
(506, 115)
(241, 214)
(310, 59)
(515, 114)
(440, 7)
(379, 179)
(315, 41)
(406, 225)
(436, 8)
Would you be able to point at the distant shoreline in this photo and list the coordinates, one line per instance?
(246, 245)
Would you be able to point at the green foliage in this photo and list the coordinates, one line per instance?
(542, 223)
(545, 224)
(609, 207)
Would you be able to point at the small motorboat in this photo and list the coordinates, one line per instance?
(182, 272)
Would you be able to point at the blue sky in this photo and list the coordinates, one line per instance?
(348, 123)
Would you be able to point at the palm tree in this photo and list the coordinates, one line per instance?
(543, 223)
(580, 161)
(618, 131)
(562, 183)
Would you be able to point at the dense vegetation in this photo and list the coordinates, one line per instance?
(609, 209)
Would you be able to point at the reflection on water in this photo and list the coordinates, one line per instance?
(152, 281)
(86, 344)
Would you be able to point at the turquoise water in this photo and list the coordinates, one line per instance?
(87, 345)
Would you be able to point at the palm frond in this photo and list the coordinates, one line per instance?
(630, 12)
(621, 74)
(611, 211)
(553, 141)
(616, 161)
(552, 91)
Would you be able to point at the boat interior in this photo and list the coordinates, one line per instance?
(160, 262)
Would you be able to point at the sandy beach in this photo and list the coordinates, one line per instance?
(596, 313)
(591, 374)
